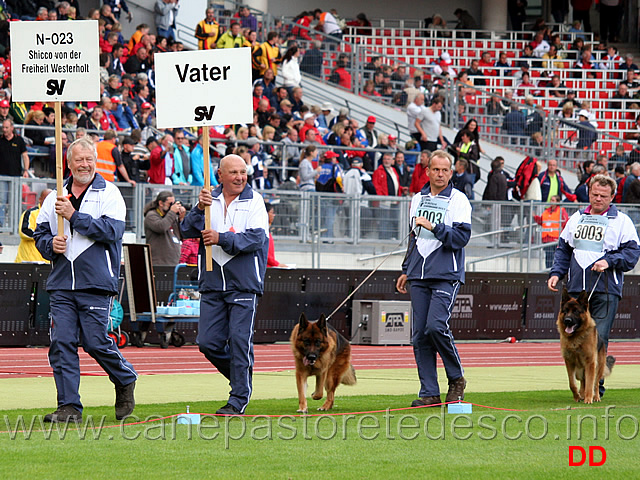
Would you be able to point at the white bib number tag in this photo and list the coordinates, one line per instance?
(589, 233)
(434, 210)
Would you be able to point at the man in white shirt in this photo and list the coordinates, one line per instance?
(429, 126)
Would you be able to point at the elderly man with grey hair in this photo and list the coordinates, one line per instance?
(85, 257)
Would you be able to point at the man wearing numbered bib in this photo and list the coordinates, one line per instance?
(434, 267)
(596, 247)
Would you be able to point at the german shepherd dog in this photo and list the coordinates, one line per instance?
(321, 351)
(584, 353)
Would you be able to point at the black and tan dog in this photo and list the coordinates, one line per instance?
(584, 353)
(321, 351)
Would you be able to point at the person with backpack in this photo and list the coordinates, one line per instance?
(329, 181)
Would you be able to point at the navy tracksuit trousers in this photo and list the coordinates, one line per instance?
(432, 302)
(225, 337)
(78, 316)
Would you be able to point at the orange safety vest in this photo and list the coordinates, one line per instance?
(551, 225)
(106, 165)
(209, 42)
(268, 57)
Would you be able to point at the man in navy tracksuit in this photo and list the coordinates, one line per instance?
(434, 266)
(83, 281)
(596, 247)
(229, 293)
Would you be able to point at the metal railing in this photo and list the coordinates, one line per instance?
(504, 237)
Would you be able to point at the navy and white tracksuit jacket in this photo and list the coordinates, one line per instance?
(435, 269)
(585, 240)
(82, 283)
(229, 292)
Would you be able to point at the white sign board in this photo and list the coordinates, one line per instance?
(55, 61)
(205, 87)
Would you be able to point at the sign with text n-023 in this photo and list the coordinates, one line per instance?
(205, 87)
(55, 61)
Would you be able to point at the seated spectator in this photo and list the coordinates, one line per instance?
(633, 86)
(296, 99)
(539, 45)
(503, 65)
(611, 61)
(369, 89)
(400, 74)
(526, 57)
(620, 98)
(556, 41)
(464, 84)
(475, 74)
(309, 124)
(553, 60)
(258, 96)
(628, 63)
(526, 86)
(570, 98)
(556, 88)
(268, 84)
(585, 65)
(486, 64)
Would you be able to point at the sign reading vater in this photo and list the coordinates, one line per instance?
(206, 87)
(55, 61)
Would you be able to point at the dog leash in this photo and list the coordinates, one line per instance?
(370, 274)
(594, 287)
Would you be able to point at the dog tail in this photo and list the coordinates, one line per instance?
(349, 377)
(610, 363)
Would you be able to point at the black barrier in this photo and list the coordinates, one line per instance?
(490, 306)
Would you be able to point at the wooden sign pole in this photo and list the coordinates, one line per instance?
(207, 185)
(59, 171)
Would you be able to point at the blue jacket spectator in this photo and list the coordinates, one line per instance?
(197, 167)
(552, 176)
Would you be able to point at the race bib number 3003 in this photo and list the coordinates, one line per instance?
(589, 233)
(434, 210)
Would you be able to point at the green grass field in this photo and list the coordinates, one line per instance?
(488, 443)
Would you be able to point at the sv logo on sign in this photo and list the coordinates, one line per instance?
(55, 87)
(573, 462)
(203, 112)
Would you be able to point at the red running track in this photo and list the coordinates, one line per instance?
(32, 362)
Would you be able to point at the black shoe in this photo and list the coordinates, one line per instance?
(164, 343)
(125, 401)
(426, 401)
(228, 409)
(64, 414)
